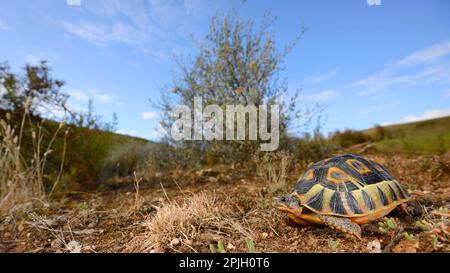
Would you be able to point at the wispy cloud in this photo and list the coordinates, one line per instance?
(322, 96)
(101, 34)
(430, 114)
(422, 67)
(155, 134)
(79, 96)
(316, 79)
(128, 132)
(32, 59)
(389, 77)
(428, 55)
(3, 25)
(149, 115)
(97, 96)
(153, 27)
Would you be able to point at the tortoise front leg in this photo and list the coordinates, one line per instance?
(341, 224)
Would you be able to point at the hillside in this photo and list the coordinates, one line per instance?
(423, 137)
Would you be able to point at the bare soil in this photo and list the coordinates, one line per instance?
(108, 220)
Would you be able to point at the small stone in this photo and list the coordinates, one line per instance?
(230, 246)
(175, 242)
(374, 246)
(73, 247)
(264, 235)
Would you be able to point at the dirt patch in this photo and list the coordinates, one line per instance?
(232, 211)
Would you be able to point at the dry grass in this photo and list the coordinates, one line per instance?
(19, 184)
(22, 180)
(192, 224)
(64, 245)
(273, 168)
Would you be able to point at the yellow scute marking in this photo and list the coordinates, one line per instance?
(339, 175)
(304, 198)
(362, 169)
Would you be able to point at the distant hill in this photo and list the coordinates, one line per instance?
(423, 137)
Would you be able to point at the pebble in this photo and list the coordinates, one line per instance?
(374, 246)
(175, 242)
(230, 246)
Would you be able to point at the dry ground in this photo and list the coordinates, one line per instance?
(229, 206)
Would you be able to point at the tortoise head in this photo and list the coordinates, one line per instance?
(288, 203)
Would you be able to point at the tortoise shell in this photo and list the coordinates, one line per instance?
(349, 186)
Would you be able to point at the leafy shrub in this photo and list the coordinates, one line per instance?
(380, 133)
(314, 148)
(348, 138)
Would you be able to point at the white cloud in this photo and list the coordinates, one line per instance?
(400, 73)
(323, 96)
(103, 98)
(430, 54)
(431, 114)
(152, 135)
(316, 79)
(84, 96)
(33, 60)
(149, 115)
(100, 34)
(128, 132)
(79, 96)
(389, 77)
(152, 26)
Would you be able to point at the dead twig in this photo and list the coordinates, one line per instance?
(394, 241)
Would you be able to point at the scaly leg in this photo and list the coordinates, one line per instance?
(342, 224)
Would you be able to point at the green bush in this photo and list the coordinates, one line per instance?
(314, 148)
(348, 138)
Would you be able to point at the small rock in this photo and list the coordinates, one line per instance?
(73, 247)
(374, 246)
(230, 246)
(264, 235)
(175, 242)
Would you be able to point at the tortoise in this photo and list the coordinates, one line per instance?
(343, 193)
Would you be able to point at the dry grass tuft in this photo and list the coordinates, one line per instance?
(192, 225)
(19, 184)
(22, 180)
(273, 168)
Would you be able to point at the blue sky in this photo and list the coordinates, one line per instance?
(367, 64)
